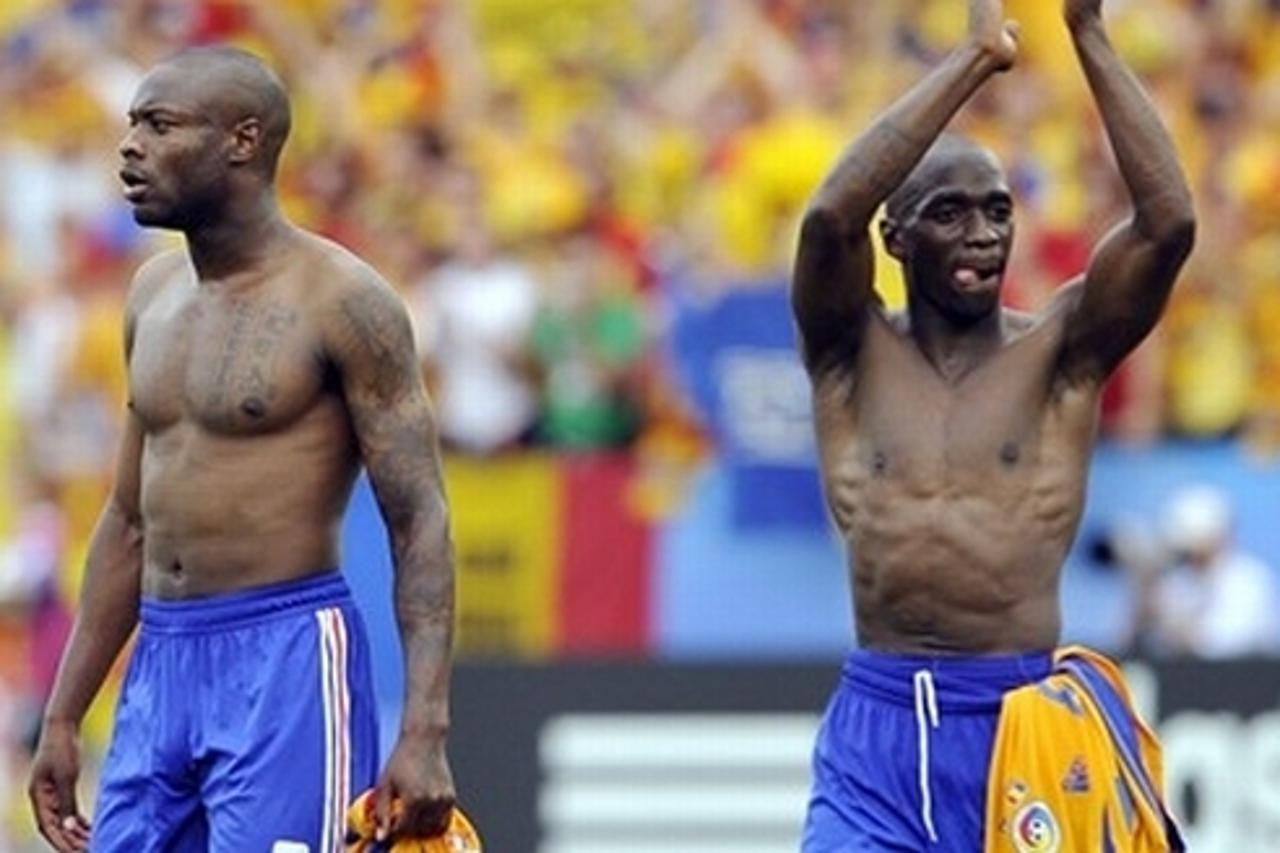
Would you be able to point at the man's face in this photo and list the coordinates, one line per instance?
(954, 242)
(174, 166)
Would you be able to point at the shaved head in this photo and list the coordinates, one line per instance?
(234, 85)
(949, 150)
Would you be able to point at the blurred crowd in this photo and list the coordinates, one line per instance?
(538, 177)
(1200, 593)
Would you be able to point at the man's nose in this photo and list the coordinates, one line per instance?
(981, 232)
(129, 147)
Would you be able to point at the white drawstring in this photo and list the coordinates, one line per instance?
(926, 700)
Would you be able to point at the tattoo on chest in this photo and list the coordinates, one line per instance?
(246, 376)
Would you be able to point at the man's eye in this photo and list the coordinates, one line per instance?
(1001, 213)
(160, 125)
(946, 214)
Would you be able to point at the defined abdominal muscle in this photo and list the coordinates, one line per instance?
(959, 573)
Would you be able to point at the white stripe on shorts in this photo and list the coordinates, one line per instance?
(336, 699)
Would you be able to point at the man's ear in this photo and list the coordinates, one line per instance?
(891, 233)
(246, 139)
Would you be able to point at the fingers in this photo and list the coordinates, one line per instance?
(74, 826)
(427, 818)
(78, 826)
(57, 819)
(45, 807)
(424, 818)
(76, 829)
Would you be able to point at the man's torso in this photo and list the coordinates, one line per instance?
(248, 454)
(958, 498)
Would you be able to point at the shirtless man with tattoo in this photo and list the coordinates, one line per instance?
(266, 365)
(954, 444)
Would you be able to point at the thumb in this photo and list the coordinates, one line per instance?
(382, 798)
(1014, 29)
(70, 821)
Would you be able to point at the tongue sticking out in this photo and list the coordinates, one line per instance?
(967, 277)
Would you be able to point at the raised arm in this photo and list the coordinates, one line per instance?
(371, 343)
(833, 282)
(1134, 267)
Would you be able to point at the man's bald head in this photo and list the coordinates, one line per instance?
(233, 85)
(946, 153)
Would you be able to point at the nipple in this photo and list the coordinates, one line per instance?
(253, 407)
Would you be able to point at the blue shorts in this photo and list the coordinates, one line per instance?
(903, 751)
(245, 720)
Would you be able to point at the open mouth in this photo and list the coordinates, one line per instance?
(135, 185)
(977, 276)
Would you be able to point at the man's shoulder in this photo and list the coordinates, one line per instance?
(1053, 314)
(345, 292)
(335, 265)
(336, 277)
(897, 321)
(161, 266)
(157, 271)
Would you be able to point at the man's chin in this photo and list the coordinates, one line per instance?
(149, 218)
(976, 308)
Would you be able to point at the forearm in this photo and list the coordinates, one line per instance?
(880, 160)
(424, 602)
(107, 615)
(1144, 150)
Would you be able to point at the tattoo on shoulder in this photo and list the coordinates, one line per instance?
(377, 329)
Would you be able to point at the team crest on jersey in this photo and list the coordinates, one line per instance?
(1077, 779)
(1035, 829)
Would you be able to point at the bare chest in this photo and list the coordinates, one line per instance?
(914, 422)
(232, 366)
(999, 427)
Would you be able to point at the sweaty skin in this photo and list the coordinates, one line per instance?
(954, 439)
(266, 365)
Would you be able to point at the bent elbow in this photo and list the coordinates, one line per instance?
(1178, 232)
(1171, 229)
(821, 236)
(821, 225)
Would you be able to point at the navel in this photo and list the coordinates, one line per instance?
(879, 463)
(1010, 452)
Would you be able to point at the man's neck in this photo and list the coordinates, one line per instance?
(955, 347)
(240, 240)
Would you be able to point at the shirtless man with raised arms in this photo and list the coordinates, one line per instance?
(266, 365)
(954, 438)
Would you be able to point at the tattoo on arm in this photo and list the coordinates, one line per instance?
(397, 438)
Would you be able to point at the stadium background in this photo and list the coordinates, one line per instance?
(636, 511)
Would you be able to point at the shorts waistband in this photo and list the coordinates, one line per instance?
(243, 607)
(963, 684)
